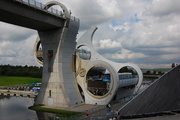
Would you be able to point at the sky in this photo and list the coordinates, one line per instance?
(142, 32)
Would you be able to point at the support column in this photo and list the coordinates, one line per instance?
(59, 86)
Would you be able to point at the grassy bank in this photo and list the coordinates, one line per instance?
(11, 80)
(60, 113)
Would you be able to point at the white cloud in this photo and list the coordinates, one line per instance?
(145, 32)
(17, 52)
(108, 43)
(127, 54)
(125, 27)
(164, 7)
(14, 33)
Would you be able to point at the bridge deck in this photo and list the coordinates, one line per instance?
(17, 13)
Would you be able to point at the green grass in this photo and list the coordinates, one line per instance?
(60, 113)
(11, 80)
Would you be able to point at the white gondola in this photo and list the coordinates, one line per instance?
(127, 79)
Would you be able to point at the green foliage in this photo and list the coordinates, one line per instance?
(128, 70)
(157, 71)
(148, 72)
(62, 113)
(25, 71)
(151, 76)
(10, 81)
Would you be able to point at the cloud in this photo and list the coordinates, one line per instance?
(14, 33)
(144, 32)
(125, 27)
(108, 47)
(18, 52)
(108, 43)
(152, 40)
(163, 8)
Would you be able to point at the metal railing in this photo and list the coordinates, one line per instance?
(38, 5)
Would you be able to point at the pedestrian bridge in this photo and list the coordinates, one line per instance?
(34, 15)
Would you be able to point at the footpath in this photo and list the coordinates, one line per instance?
(100, 113)
(17, 93)
(96, 112)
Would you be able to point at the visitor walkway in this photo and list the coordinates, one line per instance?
(95, 111)
(18, 93)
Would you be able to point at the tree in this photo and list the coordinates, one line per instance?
(173, 65)
(148, 72)
(25, 71)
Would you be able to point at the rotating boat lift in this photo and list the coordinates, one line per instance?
(69, 75)
(68, 67)
(74, 73)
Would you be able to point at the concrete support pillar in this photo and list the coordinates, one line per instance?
(59, 86)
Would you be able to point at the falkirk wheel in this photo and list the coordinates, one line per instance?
(99, 80)
(78, 74)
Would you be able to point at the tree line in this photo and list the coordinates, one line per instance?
(154, 72)
(24, 71)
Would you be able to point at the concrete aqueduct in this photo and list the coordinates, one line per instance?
(73, 73)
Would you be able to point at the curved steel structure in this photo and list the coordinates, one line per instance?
(86, 60)
(117, 88)
(52, 3)
(38, 54)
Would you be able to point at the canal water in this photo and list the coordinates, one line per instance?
(16, 108)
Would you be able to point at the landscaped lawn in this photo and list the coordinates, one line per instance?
(62, 113)
(14, 80)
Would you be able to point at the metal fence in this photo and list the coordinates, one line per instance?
(51, 10)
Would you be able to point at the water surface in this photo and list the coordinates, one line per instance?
(16, 108)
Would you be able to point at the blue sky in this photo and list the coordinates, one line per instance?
(143, 32)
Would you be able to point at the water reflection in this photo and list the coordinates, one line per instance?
(16, 108)
(47, 116)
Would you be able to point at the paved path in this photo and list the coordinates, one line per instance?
(81, 108)
(17, 93)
